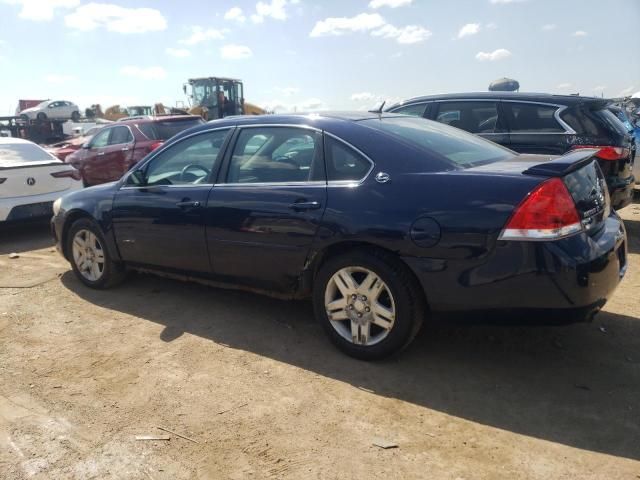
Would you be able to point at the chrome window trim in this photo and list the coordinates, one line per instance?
(154, 154)
(314, 183)
(357, 150)
(157, 187)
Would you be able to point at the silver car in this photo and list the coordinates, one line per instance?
(52, 109)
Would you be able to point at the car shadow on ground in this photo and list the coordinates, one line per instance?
(576, 385)
(24, 237)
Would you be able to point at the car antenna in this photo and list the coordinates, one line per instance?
(379, 109)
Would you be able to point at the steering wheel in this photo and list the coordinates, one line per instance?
(193, 166)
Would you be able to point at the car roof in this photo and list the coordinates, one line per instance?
(14, 140)
(524, 96)
(152, 119)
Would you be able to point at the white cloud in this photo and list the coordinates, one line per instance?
(341, 25)
(549, 26)
(627, 91)
(288, 91)
(308, 105)
(372, 23)
(404, 35)
(363, 97)
(469, 29)
(235, 14)
(148, 73)
(564, 86)
(235, 52)
(579, 33)
(41, 10)
(199, 35)
(178, 52)
(499, 54)
(115, 18)
(388, 3)
(276, 9)
(59, 78)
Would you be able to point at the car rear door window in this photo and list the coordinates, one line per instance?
(416, 109)
(343, 162)
(531, 117)
(120, 135)
(276, 155)
(187, 162)
(474, 117)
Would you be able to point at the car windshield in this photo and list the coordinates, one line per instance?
(12, 154)
(463, 149)
(164, 130)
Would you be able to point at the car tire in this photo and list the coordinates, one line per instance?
(356, 326)
(41, 116)
(89, 257)
(75, 116)
(24, 117)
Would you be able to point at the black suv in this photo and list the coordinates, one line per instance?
(539, 123)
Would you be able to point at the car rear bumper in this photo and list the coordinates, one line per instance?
(28, 208)
(621, 191)
(575, 273)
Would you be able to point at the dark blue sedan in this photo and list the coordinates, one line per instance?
(381, 219)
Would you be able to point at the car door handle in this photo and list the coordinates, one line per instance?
(125, 149)
(305, 206)
(188, 204)
(99, 154)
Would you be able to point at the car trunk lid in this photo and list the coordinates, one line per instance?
(34, 178)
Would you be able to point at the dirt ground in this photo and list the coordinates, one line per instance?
(260, 393)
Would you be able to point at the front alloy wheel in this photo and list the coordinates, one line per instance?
(88, 255)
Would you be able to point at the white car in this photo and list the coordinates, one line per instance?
(31, 180)
(52, 109)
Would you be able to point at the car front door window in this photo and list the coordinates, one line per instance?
(188, 162)
(120, 136)
(101, 140)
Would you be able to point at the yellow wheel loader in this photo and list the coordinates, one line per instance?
(218, 97)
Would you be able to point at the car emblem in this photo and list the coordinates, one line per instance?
(382, 177)
(31, 181)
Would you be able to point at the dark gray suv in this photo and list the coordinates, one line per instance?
(542, 124)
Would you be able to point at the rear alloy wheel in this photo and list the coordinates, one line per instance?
(90, 258)
(368, 304)
(41, 116)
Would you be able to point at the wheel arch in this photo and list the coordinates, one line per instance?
(339, 248)
(77, 214)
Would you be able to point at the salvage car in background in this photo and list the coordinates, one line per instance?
(30, 180)
(116, 147)
(379, 218)
(65, 148)
(541, 124)
(52, 110)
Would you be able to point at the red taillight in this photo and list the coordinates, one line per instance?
(606, 153)
(75, 174)
(155, 145)
(548, 213)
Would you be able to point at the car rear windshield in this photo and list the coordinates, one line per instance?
(459, 147)
(12, 154)
(611, 122)
(165, 129)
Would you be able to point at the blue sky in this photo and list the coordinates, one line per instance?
(300, 54)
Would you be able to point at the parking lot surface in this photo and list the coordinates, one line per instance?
(248, 387)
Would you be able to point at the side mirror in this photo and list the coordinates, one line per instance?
(137, 178)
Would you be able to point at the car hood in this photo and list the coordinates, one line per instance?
(91, 194)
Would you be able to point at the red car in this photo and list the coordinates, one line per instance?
(118, 146)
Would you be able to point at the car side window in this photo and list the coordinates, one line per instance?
(474, 117)
(276, 155)
(344, 163)
(120, 135)
(187, 162)
(101, 139)
(416, 109)
(531, 117)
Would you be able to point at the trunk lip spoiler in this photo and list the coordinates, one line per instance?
(565, 164)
